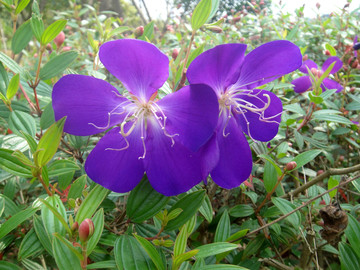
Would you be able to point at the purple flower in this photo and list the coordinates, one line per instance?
(159, 137)
(305, 83)
(243, 108)
(356, 45)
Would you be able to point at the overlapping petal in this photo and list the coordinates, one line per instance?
(338, 64)
(139, 65)
(235, 161)
(185, 109)
(331, 84)
(268, 62)
(308, 64)
(261, 126)
(302, 84)
(218, 67)
(171, 168)
(91, 105)
(115, 169)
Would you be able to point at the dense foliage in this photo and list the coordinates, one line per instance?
(299, 207)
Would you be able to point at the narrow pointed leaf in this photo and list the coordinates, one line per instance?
(13, 86)
(52, 31)
(57, 65)
(151, 251)
(64, 254)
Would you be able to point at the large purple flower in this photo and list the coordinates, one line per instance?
(162, 138)
(305, 83)
(243, 108)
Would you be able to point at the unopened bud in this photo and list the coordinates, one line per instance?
(352, 89)
(66, 48)
(48, 47)
(175, 53)
(262, 2)
(60, 38)
(75, 226)
(319, 172)
(341, 158)
(86, 230)
(139, 31)
(305, 57)
(355, 64)
(318, 5)
(327, 52)
(236, 19)
(290, 166)
(214, 29)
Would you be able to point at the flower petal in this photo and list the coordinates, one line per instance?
(302, 84)
(218, 67)
(171, 168)
(308, 63)
(269, 62)
(235, 162)
(329, 61)
(261, 126)
(87, 103)
(331, 84)
(139, 65)
(192, 112)
(115, 169)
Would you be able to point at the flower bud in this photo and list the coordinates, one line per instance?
(86, 230)
(66, 48)
(214, 29)
(355, 64)
(175, 53)
(75, 226)
(318, 5)
(327, 52)
(319, 172)
(290, 166)
(48, 47)
(60, 38)
(139, 31)
(305, 57)
(236, 19)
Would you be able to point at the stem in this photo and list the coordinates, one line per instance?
(26, 97)
(44, 185)
(307, 118)
(183, 71)
(299, 207)
(84, 250)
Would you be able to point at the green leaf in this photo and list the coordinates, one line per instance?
(47, 117)
(237, 235)
(30, 140)
(4, 76)
(10, 208)
(332, 118)
(13, 165)
(148, 32)
(4, 265)
(222, 267)
(30, 245)
(49, 143)
(57, 65)
(223, 228)
(331, 49)
(37, 24)
(52, 31)
(16, 220)
(42, 234)
(11, 64)
(241, 210)
(144, 202)
(31, 265)
(174, 213)
(111, 264)
(129, 255)
(91, 203)
(24, 159)
(333, 182)
(54, 217)
(194, 199)
(21, 5)
(270, 176)
(98, 220)
(348, 257)
(285, 207)
(178, 260)
(201, 14)
(22, 37)
(13, 86)
(62, 166)
(181, 241)
(253, 246)
(214, 248)
(64, 254)
(206, 209)
(20, 122)
(151, 251)
(305, 157)
(214, 9)
(77, 187)
(352, 233)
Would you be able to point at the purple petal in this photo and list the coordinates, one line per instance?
(210, 153)
(235, 162)
(331, 84)
(356, 46)
(302, 84)
(171, 168)
(115, 169)
(192, 112)
(218, 67)
(260, 126)
(87, 102)
(308, 63)
(139, 65)
(329, 61)
(269, 62)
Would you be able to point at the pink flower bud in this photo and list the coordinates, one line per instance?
(60, 38)
(214, 29)
(305, 57)
(317, 5)
(236, 19)
(175, 53)
(355, 64)
(86, 230)
(75, 226)
(319, 172)
(66, 48)
(48, 47)
(290, 166)
(327, 52)
(139, 31)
